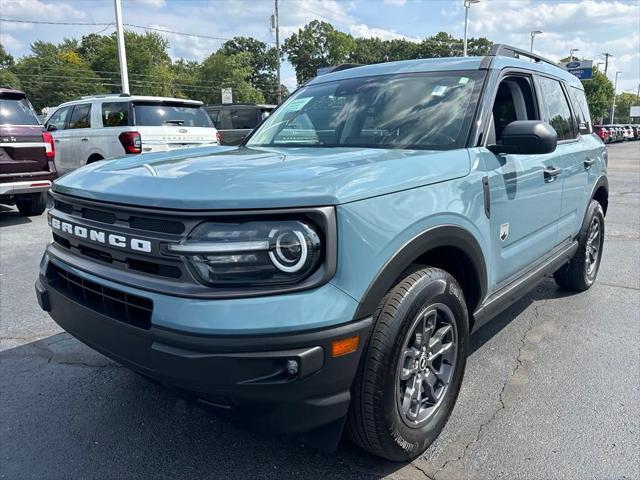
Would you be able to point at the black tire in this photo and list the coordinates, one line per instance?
(32, 204)
(94, 158)
(579, 274)
(376, 420)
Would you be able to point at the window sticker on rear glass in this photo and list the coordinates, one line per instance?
(439, 90)
(298, 103)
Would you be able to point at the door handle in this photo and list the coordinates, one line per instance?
(84, 139)
(550, 173)
(588, 163)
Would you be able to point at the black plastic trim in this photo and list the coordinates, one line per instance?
(441, 236)
(523, 283)
(487, 196)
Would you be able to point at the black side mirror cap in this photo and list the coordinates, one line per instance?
(527, 137)
(51, 128)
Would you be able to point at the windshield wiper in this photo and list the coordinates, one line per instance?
(174, 122)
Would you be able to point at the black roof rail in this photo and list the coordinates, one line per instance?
(337, 68)
(503, 50)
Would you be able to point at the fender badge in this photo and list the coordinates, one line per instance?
(504, 231)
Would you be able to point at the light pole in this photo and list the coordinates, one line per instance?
(122, 55)
(613, 104)
(598, 65)
(467, 4)
(533, 35)
(571, 53)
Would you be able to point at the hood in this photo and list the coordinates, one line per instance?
(215, 178)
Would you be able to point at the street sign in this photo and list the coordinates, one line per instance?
(634, 111)
(227, 95)
(583, 69)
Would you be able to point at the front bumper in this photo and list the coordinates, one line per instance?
(240, 373)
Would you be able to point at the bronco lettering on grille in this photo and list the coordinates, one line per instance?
(99, 236)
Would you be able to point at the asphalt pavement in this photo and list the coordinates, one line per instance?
(551, 390)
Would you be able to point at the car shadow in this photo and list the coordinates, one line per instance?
(68, 409)
(10, 216)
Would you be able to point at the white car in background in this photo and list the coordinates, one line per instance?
(108, 126)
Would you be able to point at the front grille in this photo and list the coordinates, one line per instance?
(116, 304)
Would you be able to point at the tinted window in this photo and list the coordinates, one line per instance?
(115, 114)
(421, 111)
(58, 118)
(214, 115)
(17, 112)
(557, 108)
(80, 116)
(244, 118)
(158, 114)
(514, 101)
(581, 110)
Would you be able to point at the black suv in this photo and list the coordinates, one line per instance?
(235, 121)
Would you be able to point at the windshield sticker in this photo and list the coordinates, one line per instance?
(439, 90)
(298, 103)
(463, 80)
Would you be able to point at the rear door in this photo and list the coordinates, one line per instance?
(171, 125)
(243, 121)
(57, 126)
(571, 153)
(80, 130)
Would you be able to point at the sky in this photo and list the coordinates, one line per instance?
(591, 26)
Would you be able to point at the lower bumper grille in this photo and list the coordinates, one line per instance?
(119, 305)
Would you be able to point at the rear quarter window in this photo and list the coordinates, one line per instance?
(17, 112)
(581, 110)
(115, 114)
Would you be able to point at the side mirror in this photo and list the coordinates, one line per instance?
(527, 137)
(51, 128)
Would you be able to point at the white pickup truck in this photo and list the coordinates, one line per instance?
(108, 126)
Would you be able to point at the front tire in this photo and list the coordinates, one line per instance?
(581, 271)
(412, 369)
(32, 204)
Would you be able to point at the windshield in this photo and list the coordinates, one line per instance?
(17, 112)
(413, 111)
(152, 114)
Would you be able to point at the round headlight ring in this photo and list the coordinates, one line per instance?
(280, 260)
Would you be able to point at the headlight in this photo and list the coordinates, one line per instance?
(252, 253)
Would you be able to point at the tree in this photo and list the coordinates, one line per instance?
(53, 74)
(228, 71)
(624, 101)
(317, 45)
(599, 93)
(7, 77)
(6, 59)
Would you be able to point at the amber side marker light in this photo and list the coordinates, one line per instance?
(344, 346)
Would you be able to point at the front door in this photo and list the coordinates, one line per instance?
(525, 191)
(62, 138)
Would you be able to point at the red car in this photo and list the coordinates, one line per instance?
(603, 133)
(27, 168)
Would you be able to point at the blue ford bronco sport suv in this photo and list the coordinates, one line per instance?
(327, 273)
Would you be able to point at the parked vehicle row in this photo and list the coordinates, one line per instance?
(617, 133)
(27, 165)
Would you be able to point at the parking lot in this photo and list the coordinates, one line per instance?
(552, 387)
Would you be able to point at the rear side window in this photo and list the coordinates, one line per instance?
(58, 119)
(153, 114)
(115, 114)
(557, 112)
(244, 118)
(81, 116)
(17, 112)
(214, 115)
(581, 110)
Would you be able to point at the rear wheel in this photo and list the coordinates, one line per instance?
(32, 204)
(581, 271)
(411, 372)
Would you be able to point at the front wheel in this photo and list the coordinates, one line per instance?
(582, 270)
(412, 369)
(32, 204)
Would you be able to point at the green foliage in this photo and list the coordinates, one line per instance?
(229, 71)
(599, 93)
(624, 101)
(6, 59)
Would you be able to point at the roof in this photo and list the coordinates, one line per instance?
(501, 56)
(11, 92)
(127, 98)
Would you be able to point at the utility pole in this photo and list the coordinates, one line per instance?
(606, 61)
(571, 52)
(122, 54)
(467, 5)
(276, 26)
(613, 104)
(533, 34)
